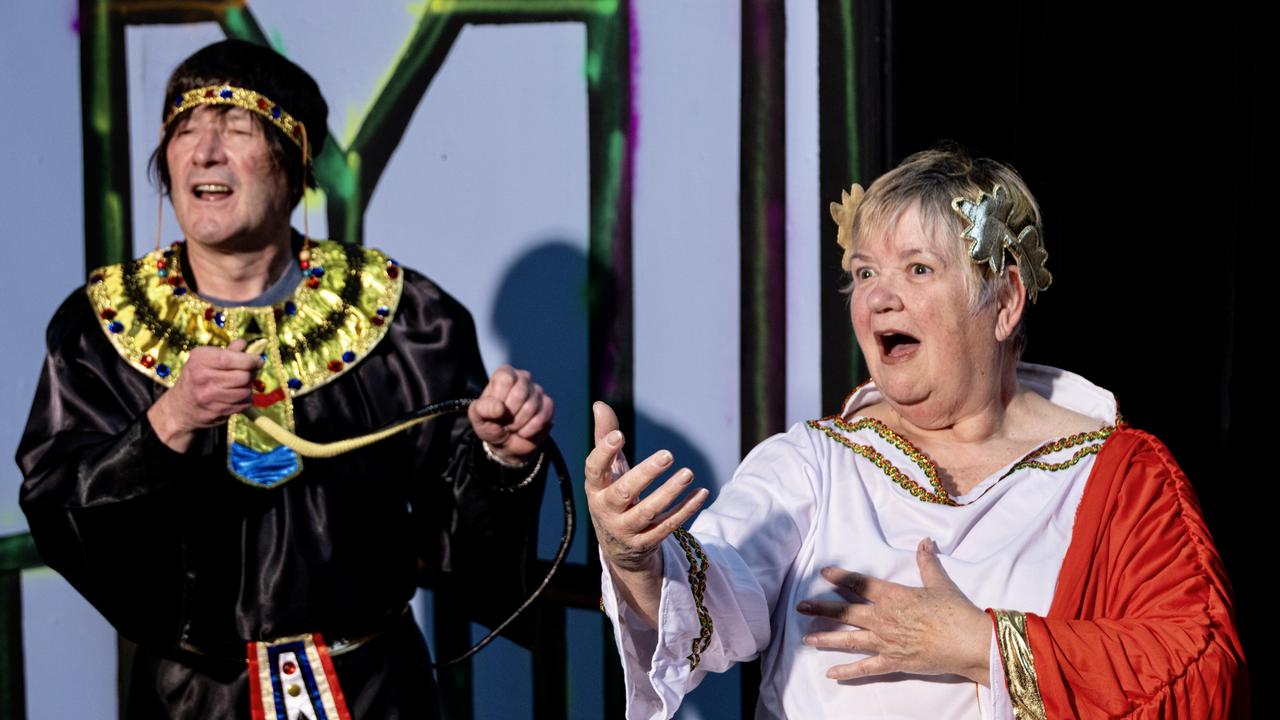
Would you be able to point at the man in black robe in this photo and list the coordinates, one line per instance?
(254, 582)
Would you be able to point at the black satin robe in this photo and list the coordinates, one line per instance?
(189, 563)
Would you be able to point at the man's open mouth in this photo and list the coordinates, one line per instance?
(211, 191)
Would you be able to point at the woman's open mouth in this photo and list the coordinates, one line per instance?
(896, 346)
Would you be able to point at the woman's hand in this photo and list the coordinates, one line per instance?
(631, 530)
(930, 630)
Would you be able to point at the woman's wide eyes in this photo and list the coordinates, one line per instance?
(866, 273)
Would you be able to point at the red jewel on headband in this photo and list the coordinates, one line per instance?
(377, 320)
(393, 272)
(148, 362)
(208, 93)
(161, 264)
(335, 366)
(208, 313)
(313, 283)
(304, 264)
(108, 314)
(175, 280)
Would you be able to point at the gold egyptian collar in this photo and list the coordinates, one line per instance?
(336, 315)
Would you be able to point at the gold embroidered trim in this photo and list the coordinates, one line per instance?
(698, 584)
(1070, 441)
(939, 495)
(1019, 665)
(1080, 454)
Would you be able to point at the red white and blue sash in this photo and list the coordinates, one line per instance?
(293, 679)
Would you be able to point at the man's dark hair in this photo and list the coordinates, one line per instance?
(263, 70)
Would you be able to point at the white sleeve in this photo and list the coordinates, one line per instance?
(994, 699)
(749, 538)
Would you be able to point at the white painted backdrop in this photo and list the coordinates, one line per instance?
(488, 195)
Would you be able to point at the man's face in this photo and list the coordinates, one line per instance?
(227, 190)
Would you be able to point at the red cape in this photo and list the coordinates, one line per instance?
(1141, 623)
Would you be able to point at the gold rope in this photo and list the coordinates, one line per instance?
(306, 448)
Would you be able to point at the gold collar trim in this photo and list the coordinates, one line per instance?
(334, 318)
(843, 431)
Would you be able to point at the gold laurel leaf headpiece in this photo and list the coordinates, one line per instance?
(244, 98)
(989, 237)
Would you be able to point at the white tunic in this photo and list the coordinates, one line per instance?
(815, 497)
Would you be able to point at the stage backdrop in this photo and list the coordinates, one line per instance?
(616, 190)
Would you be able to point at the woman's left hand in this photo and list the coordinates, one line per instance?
(930, 630)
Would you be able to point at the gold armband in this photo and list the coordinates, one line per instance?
(1019, 666)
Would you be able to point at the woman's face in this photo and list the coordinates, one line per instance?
(929, 352)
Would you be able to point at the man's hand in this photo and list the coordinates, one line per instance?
(513, 415)
(930, 630)
(215, 383)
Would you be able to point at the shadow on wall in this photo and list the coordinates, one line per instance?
(541, 315)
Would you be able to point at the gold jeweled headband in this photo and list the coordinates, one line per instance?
(245, 98)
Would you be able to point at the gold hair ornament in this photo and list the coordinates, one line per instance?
(843, 212)
(243, 98)
(989, 237)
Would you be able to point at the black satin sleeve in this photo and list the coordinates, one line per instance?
(476, 523)
(101, 492)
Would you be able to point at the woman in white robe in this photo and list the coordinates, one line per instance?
(854, 554)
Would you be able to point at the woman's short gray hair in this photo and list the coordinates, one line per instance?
(933, 178)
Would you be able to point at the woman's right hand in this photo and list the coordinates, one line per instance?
(630, 530)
